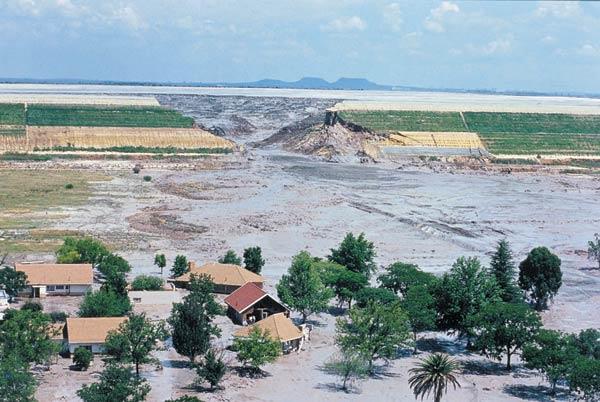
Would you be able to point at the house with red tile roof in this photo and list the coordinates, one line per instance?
(249, 304)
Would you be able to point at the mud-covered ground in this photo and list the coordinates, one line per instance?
(424, 214)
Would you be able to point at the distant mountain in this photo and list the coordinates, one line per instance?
(312, 83)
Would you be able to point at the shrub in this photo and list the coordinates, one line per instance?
(147, 282)
(147, 178)
(58, 316)
(82, 358)
(137, 169)
(69, 186)
(32, 306)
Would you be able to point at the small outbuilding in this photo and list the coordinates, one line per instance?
(56, 279)
(279, 328)
(249, 304)
(90, 332)
(226, 277)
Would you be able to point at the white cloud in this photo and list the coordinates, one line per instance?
(497, 46)
(589, 50)
(392, 15)
(344, 24)
(548, 39)
(435, 21)
(565, 9)
(129, 17)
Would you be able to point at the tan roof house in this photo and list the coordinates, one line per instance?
(90, 332)
(56, 279)
(280, 328)
(226, 277)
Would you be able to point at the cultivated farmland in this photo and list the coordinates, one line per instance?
(12, 119)
(405, 120)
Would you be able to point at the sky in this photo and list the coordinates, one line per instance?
(549, 46)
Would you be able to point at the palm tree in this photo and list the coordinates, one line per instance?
(432, 375)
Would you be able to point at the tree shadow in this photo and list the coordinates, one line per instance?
(250, 372)
(436, 345)
(336, 311)
(333, 387)
(484, 367)
(179, 364)
(535, 392)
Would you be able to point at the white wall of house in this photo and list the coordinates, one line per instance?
(95, 347)
(54, 290)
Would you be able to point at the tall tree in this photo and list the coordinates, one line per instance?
(552, 353)
(28, 336)
(588, 343)
(16, 382)
(160, 261)
(344, 283)
(376, 331)
(503, 268)
(117, 383)
(594, 249)
(111, 263)
(12, 281)
(257, 349)
(461, 293)
(356, 254)
(180, 266)
(230, 257)
(212, 369)
(135, 340)
(81, 250)
(192, 319)
(381, 296)
(503, 328)
(584, 379)
(419, 305)
(253, 260)
(115, 282)
(433, 375)
(399, 277)
(104, 303)
(301, 288)
(540, 276)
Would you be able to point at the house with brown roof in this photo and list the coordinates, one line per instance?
(56, 279)
(90, 332)
(249, 304)
(226, 277)
(279, 328)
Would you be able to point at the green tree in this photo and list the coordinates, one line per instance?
(301, 288)
(594, 249)
(180, 266)
(419, 305)
(253, 260)
(344, 283)
(112, 263)
(584, 378)
(192, 319)
(32, 306)
(28, 336)
(399, 277)
(347, 366)
(117, 383)
(16, 382)
(503, 268)
(147, 282)
(230, 257)
(135, 340)
(356, 254)
(377, 295)
(257, 349)
(503, 328)
(104, 304)
(552, 353)
(212, 369)
(540, 276)
(12, 281)
(160, 261)
(115, 282)
(461, 293)
(81, 250)
(82, 358)
(185, 398)
(588, 343)
(375, 331)
(433, 375)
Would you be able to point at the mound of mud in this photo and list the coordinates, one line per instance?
(312, 138)
(161, 222)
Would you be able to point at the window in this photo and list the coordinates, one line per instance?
(50, 288)
(60, 287)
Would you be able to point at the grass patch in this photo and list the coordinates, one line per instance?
(405, 120)
(106, 116)
(12, 114)
(532, 123)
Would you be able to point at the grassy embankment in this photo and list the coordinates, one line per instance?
(31, 198)
(502, 133)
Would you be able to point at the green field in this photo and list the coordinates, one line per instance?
(502, 133)
(405, 120)
(12, 119)
(106, 116)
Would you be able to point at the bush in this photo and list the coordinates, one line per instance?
(147, 282)
(147, 178)
(82, 358)
(58, 316)
(69, 186)
(32, 306)
(137, 169)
